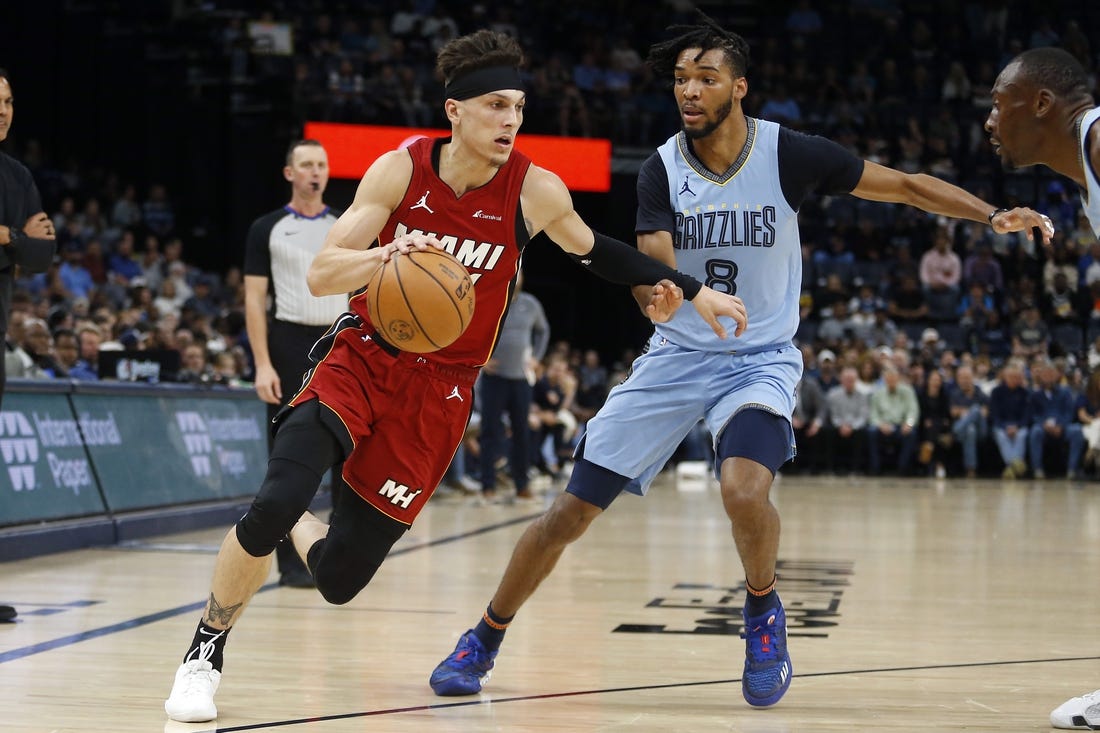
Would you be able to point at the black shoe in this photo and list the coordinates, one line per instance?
(7, 613)
(297, 579)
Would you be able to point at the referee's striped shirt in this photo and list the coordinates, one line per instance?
(281, 246)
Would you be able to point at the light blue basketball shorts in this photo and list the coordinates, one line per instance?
(671, 388)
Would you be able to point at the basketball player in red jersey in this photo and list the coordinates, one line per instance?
(396, 417)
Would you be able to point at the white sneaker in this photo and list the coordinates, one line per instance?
(192, 698)
(1078, 713)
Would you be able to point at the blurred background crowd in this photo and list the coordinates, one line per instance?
(931, 347)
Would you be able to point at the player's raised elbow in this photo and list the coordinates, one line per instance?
(316, 282)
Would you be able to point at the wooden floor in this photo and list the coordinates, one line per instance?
(912, 606)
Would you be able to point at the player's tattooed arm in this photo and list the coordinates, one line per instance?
(218, 614)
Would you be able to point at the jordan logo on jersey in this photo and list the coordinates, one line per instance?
(683, 189)
(455, 395)
(422, 203)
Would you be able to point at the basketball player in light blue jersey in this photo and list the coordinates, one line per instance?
(718, 200)
(1044, 113)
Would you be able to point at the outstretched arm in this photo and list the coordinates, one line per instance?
(613, 260)
(879, 183)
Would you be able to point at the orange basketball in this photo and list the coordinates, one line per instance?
(421, 301)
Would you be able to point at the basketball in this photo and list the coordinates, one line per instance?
(421, 301)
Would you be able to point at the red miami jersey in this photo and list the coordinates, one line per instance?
(481, 229)
(402, 415)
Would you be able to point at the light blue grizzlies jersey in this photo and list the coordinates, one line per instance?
(1091, 197)
(736, 233)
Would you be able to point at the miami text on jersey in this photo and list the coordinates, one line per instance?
(472, 254)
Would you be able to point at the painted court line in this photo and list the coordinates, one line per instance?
(633, 688)
(45, 646)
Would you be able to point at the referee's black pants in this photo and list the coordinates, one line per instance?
(288, 345)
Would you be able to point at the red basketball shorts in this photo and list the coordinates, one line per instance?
(404, 413)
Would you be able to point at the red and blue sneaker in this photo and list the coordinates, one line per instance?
(767, 664)
(466, 670)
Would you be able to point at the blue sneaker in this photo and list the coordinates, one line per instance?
(465, 670)
(767, 665)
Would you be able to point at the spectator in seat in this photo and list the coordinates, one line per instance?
(894, 421)
(1088, 414)
(969, 414)
(906, 303)
(1030, 335)
(1061, 303)
(808, 419)
(940, 275)
(848, 410)
(123, 262)
(1010, 419)
(67, 352)
(935, 425)
(1053, 420)
(983, 269)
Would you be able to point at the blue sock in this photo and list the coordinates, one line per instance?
(490, 629)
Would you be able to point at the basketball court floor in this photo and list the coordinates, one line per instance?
(912, 606)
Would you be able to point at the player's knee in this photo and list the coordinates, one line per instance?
(594, 485)
(761, 436)
(744, 492)
(338, 589)
(566, 520)
(337, 580)
(343, 565)
(263, 527)
(286, 493)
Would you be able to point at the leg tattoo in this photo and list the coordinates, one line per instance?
(219, 614)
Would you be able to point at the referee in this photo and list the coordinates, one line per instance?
(282, 317)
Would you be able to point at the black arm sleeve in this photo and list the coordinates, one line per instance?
(618, 262)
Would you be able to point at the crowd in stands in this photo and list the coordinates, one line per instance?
(931, 346)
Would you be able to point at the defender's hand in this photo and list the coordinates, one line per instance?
(1022, 219)
(664, 301)
(710, 304)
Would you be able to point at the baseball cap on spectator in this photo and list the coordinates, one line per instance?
(826, 355)
(929, 334)
(139, 282)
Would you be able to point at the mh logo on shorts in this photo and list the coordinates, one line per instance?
(398, 494)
